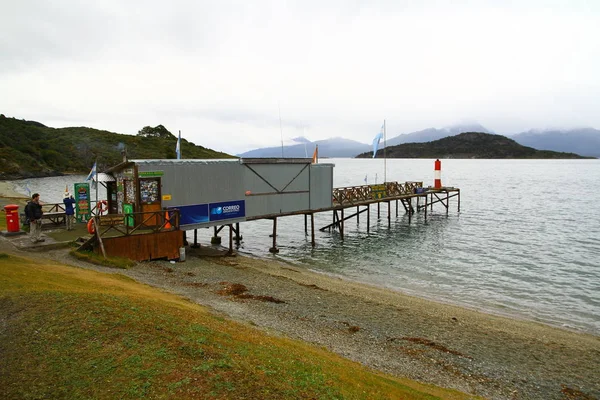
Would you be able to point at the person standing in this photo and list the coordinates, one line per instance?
(33, 212)
(69, 202)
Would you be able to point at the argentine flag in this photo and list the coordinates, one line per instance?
(92, 174)
(178, 147)
(376, 141)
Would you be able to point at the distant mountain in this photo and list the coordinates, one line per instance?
(334, 147)
(585, 141)
(339, 147)
(468, 145)
(431, 134)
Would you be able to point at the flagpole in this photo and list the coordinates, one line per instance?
(96, 178)
(384, 156)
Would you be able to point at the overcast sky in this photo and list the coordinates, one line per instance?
(223, 72)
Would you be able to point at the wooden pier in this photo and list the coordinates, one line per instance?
(148, 235)
(412, 196)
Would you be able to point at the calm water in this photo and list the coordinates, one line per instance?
(526, 241)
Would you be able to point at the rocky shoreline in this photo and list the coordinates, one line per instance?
(485, 355)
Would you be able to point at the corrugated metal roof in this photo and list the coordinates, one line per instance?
(102, 177)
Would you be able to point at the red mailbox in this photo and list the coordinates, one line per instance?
(12, 217)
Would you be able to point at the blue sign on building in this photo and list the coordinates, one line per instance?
(227, 210)
(194, 214)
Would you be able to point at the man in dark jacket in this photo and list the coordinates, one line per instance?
(33, 212)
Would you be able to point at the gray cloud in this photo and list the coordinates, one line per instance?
(222, 71)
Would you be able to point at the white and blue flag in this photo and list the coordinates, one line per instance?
(92, 174)
(178, 147)
(376, 141)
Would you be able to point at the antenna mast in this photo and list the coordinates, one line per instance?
(280, 130)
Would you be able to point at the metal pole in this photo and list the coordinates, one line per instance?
(384, 155)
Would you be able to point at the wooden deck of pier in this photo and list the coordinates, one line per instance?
(412, 195)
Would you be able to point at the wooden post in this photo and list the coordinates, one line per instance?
(410, 209)
(274, 249)
(215, 239)
(195, 245)
(447, 201)
(305, 224)
(425, 208)
(378, 211)
(368, 216)
(389, 214)
(396, 208)
(312, 229)
(458, 200)
(238, 234)
(230, 252)
(342, 224)
(357, 215)
(98, 236)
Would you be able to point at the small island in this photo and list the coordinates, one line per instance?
(469, 145)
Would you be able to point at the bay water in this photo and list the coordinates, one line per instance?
(525, 243)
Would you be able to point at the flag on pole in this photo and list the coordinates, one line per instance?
(92, 173)
(376, 141)
(178, 147)
(315, 158)
(93, 176)
(365, 179)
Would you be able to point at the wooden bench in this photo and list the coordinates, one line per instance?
(56, 217)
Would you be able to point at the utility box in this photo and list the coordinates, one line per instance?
(12, 217)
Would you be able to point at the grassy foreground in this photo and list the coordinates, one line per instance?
(72, 333)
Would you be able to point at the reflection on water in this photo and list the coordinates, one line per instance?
(526, 241)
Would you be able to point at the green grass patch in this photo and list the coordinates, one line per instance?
(91, 257)
(78, 334)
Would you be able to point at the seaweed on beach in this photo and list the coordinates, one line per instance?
(238, 291)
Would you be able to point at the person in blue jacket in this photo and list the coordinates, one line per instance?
(69, 203)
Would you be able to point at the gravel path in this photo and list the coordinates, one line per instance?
(482, 354)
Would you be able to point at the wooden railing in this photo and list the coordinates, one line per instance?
(366, 193)
(138, 222)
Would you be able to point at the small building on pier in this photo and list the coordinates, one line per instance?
(217, 192)
(150, 202)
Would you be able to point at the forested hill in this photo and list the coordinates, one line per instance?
(30, 149)
(468, 145)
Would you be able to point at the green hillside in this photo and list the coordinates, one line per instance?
(30, 149)
(468, 145)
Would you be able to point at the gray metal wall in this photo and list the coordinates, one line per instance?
(321, 186)
(197, 181)
(267, 189)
